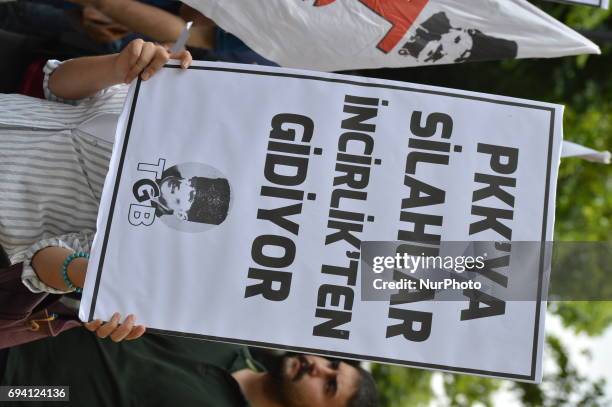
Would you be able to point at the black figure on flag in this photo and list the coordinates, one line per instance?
(194, 199)
(436, 41)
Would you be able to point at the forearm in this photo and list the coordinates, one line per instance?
(48, 262)
(156, 23)
(143, 18)
(83, 77)
(202, 36)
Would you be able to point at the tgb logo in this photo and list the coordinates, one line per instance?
(401, 14)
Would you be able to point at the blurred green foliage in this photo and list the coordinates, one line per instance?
(464, 391)
(589, 317)
(584, 206)
(566, 386)
(400, 386)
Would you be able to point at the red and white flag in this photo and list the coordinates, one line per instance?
(331, 35)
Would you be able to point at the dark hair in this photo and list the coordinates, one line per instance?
(366, 394)
(172, 172)
(431, 29)
(211, 200)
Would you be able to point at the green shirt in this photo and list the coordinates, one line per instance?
(155, 370)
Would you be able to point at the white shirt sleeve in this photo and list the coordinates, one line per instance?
(78, 242)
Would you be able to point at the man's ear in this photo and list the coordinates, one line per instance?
(182, 215)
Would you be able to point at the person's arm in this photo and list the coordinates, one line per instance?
(152, 21)
(42, 272)
(48, 262)
(83, 77)
(143, 18)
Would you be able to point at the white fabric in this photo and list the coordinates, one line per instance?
(593, 3)
(333, 35)
(52, 171)
(569, 149)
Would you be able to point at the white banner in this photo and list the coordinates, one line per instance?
(333, 35)
(592, 3)
(237, 198)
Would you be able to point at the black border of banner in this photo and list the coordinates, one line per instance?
(551, 110)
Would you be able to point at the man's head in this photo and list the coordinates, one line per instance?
(197, 199)
(452, 46)
(177, 195)
(437, 41)
(314, 381)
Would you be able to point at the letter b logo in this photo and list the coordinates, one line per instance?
(141, 215)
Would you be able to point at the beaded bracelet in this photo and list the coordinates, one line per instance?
(65, 269)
